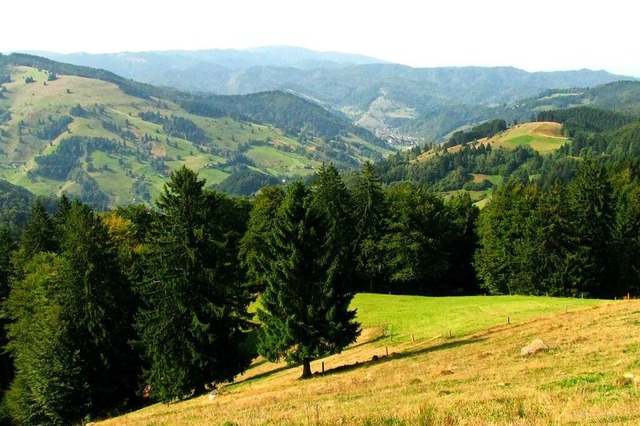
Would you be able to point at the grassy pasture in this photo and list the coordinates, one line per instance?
(433, 317)
(479, 178)
(544, 137)
(476, 377)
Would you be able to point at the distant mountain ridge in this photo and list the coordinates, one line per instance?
(136, 64)
(424, 102)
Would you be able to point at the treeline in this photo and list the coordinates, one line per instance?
(100, 310)
(246, 181)
(98, 306)
(447, 171)
(585, 119)
(484, 130)
(579, 239)
(179, 127)
(594, 132)
(52, 128)
(69, 152)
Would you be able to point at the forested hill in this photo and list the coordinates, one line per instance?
(621, 96)
(388, 98)
(110, 140)
(478, 160)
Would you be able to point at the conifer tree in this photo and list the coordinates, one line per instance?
(95, 297)
(7, 246)
(74, 305)
(551, 242)
(254, 245)
(305, 313)
(49, 385)
(333, 202)
(39, 232)
(414, 239)
(193, 320)
(626, 236)
(591, 226)
(460, 243)
(370, 213)
(501, 260)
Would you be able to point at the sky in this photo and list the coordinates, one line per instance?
(538, 35)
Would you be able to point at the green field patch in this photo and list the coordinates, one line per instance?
(111, 177)
(279, 163)
(36, 184)
(212, 175)
(582, 380)
(430, 317)
(542, 137)
(479, 178)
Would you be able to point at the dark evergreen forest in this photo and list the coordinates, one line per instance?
(103, 312)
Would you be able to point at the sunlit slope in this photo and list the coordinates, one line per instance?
(544, 137)
(39, 110)
(476, 376)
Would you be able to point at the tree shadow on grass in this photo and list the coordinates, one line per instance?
(372, 340)
(269, 373)
(261, 376)
(406, 354)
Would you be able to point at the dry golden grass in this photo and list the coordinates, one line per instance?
(544, 137)
(478, 380)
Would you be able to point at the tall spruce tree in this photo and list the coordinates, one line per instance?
(414, 239)
(370, 213)
(626, 235)
(94, 296)
(254, 245)
(7, 246)
(502, 260)
(551, 245)
(590, 199)
(460, 243)
(39, 233)
(193, 319)
(334, 202)
(50, 384)
(305, 306)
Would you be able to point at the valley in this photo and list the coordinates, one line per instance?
(423, 103)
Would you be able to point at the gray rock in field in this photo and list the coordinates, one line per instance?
(537, 345)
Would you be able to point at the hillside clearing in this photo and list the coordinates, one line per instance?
(479, 378)
(544, 137)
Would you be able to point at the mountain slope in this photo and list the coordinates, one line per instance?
(620, 96)
(111, 141)
(432, 377)
(392, 99)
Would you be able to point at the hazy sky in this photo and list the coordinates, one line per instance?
(533, 35)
